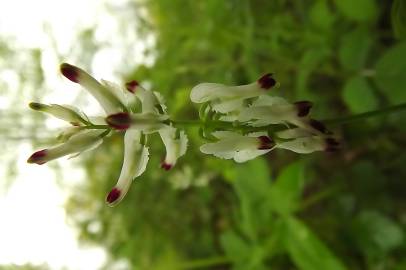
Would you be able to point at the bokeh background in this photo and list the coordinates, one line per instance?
(344, 210)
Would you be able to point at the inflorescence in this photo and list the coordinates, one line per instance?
(239, 122)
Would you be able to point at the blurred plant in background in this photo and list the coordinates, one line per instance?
(324, 211)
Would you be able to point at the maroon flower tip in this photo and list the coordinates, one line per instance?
(132, 86)
(332, 145)
(38, 157)
(303, 108)
(113, 195)
(166, 166)
(317, 125)
(70, 72)
(36, 106)
(120, 121)
(266, 81)
(265, 143)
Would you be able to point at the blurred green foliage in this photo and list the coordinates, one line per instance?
(322, 211)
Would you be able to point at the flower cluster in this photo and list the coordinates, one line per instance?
(133, 109)
(242, 122)
(252, 113)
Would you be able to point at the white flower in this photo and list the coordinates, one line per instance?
(82, 141)
(65, 112)
(131, 108)
(136, 157)
(274, 110)
(109, 101)
(241, 148)
(175, 144)
(216, 92)
(302, 141)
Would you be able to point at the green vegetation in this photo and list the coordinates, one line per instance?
(335, 211)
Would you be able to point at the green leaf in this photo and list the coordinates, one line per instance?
(243, 254)
(252, 180)
(307, 251)
(398, 15)
(359, 10)
(321, 15)
(354, 49)
(375, 234)
(391, 73)
(285, 193)
(358, 95)
(251, 184)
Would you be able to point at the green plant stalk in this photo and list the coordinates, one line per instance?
(361, 116)
(230, 125)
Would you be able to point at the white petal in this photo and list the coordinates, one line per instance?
(175, 147)
(245, 155)
(135, 161)
(110, 103)
(304, 145)
(228, 105)
(292, 133)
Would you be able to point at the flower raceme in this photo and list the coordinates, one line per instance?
(132, 109)
(250, 107)
(242, 122)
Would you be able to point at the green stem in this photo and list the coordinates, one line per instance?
(357, 117)
(205, 263)
(319, 196)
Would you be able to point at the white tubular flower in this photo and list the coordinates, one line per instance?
(175, 146)
(235, 146)
(76, 144)
(109, 101)
(306, 145)
(275, 110)
(216, 92)
(136, 156)
(65, 112)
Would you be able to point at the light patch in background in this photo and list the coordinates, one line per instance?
(33, 226)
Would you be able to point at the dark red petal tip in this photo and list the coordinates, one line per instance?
(120, 121)
(266, 81)
(70, 72)
(265, 143)
(332, 145)
(317, 125)
(303, 108)
(166, 166)
(36, 106)
(132, 86)
(38, 157)
(113, 195)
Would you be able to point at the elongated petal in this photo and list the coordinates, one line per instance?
(109, 102)
(135, 161)
(82, 141)
(63, 112)
(240, 148)
(211, 91)
(293, 133)
(151, 102)
(305, 145)
(175, 147)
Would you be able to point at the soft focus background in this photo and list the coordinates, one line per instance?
(345, 210)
